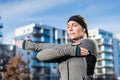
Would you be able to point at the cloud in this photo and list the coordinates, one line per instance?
(99, 8)
(17, 13)
(27, 7)
(106, 23)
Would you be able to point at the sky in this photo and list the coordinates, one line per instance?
(103, 14)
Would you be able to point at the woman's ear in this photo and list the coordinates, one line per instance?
(85, 36)
(84, 29)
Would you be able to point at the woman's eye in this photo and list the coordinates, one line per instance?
(74, 25)
(68, 27)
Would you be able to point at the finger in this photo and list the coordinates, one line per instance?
(83, 49)
(84, 52)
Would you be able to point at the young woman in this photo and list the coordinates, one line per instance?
(76, 59)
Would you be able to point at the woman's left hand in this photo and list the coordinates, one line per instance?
(83, 51)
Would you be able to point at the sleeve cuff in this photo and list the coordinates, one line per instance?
(23, 44)
(78, 51)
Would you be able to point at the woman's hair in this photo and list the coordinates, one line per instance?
(80, 20)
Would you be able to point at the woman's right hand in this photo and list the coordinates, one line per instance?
(19, 43)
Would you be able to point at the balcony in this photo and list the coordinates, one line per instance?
(37, 33)
(105, 42)
(110, 65)
(103, 65)
(108, 72)
(98, 66)
(105, 50)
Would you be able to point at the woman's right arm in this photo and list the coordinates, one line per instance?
(35, 46)
(51, 54)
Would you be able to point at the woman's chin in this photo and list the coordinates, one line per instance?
(72, 38)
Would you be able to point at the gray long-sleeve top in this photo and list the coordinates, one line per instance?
(72, 65)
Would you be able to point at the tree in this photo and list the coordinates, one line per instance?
(16, 69)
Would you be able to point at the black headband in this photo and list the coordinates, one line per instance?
(79, 20)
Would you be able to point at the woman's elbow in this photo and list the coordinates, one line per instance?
(41, 57)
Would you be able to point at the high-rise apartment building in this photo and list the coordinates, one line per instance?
(1, 26)
(44, 34)
(104, 69)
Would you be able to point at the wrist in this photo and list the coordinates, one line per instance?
(23, 44)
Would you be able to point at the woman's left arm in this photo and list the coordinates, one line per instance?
(86, 47)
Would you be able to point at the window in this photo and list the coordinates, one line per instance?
(46, 39)
(53, 32)
(99, 70)
(108, 63)
(63, 33)
(46, 32)
(99, 63)
(54, 41)
(107, 55)
(98, 41)
(99, 56)
(59, 41)
(110, 35)
(102, 33)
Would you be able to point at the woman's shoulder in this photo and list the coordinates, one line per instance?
(88, 41)
(90, 45)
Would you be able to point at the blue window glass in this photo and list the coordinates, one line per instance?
(110, 35)
(46, 64)
(63, 32)
(46, 39)
(46, 32)
(107, 55)
(102, 33)
(59, 41)
(37, 38)
(53, 32)
(107, 63)
(54, 41)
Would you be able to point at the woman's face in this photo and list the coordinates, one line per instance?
(75, 30)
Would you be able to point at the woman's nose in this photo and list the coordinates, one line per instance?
(70, 28)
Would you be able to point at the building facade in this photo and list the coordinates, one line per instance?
(43, 34)
(1, 26)
(104, 69)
